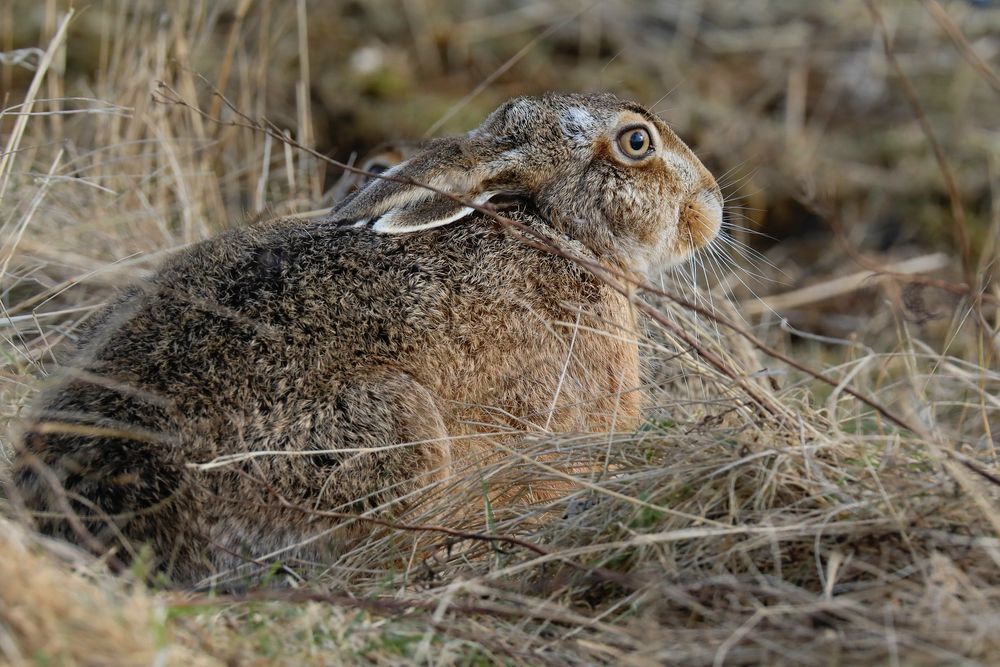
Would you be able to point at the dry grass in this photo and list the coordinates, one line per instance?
(66, 611)
(760, 515)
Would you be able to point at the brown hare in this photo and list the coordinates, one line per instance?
(346, 362)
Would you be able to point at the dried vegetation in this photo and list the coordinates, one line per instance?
(822, 490)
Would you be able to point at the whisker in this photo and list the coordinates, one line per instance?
(749, 254)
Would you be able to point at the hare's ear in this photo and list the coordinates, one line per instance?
(398, 203)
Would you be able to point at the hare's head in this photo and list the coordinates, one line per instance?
(605, 172)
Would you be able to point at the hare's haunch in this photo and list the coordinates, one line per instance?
(344, 364)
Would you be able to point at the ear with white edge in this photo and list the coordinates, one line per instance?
(434, 212)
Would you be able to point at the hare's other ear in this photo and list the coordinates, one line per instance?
(398, 203)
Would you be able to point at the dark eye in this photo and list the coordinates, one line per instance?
(378, 168)
(635, 142)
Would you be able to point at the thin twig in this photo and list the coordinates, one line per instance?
(510, 62)
(837, 227)
(386, 605)
(944, 20)
(960, 227)
(600, 572)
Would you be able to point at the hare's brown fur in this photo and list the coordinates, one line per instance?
(282, 340)
(348, 369)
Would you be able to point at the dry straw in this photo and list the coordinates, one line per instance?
(832, 501)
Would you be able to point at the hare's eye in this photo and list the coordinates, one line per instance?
(635, 142)
(378, 168)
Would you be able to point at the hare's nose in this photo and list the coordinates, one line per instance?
(704, 217)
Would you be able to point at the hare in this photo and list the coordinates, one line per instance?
(347, 362)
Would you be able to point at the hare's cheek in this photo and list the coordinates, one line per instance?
(638, 210)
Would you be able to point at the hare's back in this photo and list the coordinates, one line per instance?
(259, 312)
